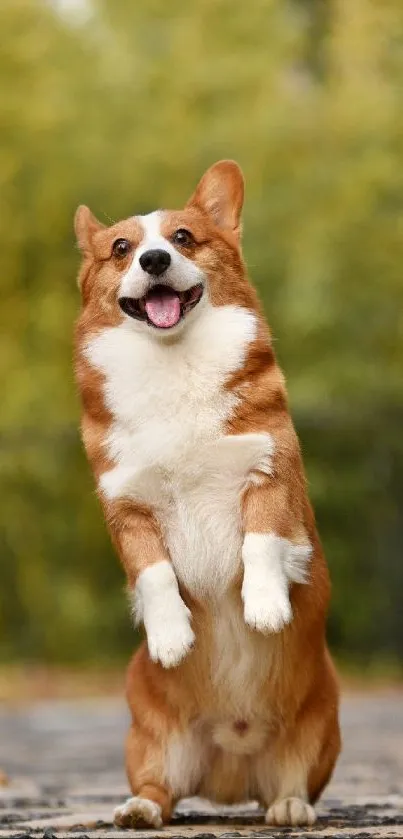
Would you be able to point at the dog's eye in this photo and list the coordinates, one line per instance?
(121, 248)
(183, 238)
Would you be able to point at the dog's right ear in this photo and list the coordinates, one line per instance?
(85, 226)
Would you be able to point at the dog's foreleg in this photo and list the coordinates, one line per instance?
(275, 549)
(153, 587)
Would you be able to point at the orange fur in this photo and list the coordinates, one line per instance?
(286, 742)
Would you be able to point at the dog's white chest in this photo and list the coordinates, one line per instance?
(169, 406)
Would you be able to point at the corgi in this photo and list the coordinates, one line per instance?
(233, 695)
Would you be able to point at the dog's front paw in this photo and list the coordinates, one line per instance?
(157, 601)
(266, 609)
(267, 606)
(171, 640)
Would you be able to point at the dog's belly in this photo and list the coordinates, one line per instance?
(219, 759)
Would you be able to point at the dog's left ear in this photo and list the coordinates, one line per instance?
(220, 194)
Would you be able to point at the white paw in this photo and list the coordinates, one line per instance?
(266, 610)
(138, 812)
(171, 640)
(290, 811)
(267, 606)
(157, 601)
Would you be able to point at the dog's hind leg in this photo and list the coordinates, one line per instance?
(165, 754)
(152, 800)
(292, 773)
(152, 718)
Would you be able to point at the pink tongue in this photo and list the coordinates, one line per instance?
(163, 307)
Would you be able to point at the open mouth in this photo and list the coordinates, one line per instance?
(162, 306)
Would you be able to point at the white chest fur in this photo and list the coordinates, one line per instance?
(169, 408)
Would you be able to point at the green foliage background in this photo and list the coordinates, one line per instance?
(122, 105)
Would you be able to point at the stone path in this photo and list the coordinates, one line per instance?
(64, 765)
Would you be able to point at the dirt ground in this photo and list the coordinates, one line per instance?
(64, 767)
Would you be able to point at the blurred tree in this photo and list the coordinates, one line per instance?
(122, 106)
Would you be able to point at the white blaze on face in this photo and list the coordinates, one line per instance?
(162, 302)
(153, 237)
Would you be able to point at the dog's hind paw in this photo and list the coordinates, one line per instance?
(138, 812)
(290, 811)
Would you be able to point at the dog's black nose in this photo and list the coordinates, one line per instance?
(155, 262)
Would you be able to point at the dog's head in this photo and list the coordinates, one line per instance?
(158, 271)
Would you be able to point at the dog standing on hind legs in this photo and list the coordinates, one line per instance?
(198, 468)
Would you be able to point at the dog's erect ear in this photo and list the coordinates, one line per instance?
(220, 194)
(85, 226)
